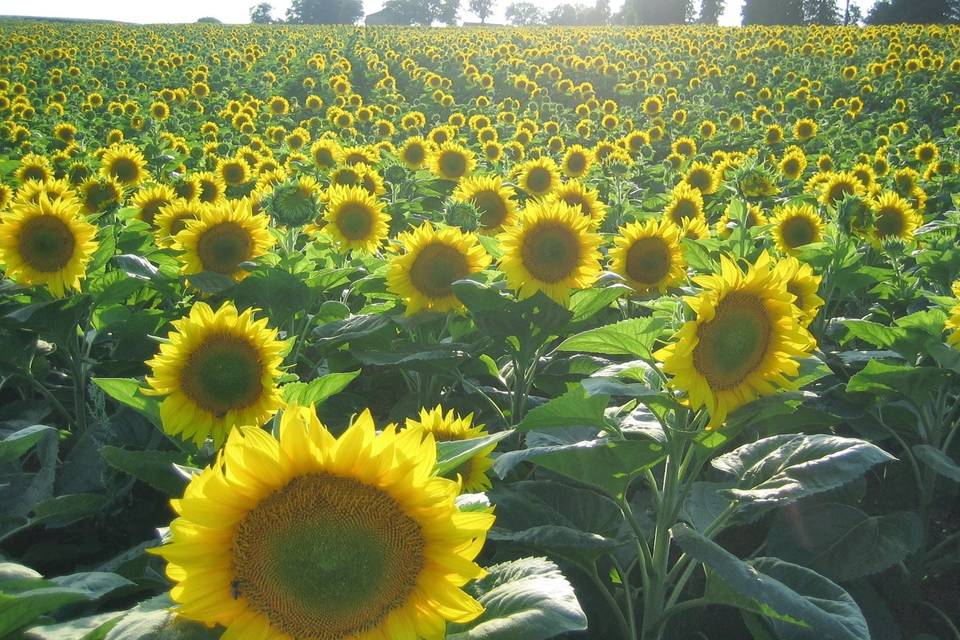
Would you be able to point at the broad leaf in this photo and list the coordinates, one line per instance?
(126, 391)
(19, 442)
(938, 461)
(452, 454)
(527, 598)
(155, 468)
(307, 394)
(575, 408)
(781, 469)
(785, 592)
(634, 337)
(841, 541)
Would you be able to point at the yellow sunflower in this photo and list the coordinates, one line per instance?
(150, 200)
(415, 152)
(550, 249)
(432, 260)
(839, 186)
(743, 343)
(355, 219)
(953, 325)
(894, 217)
(448, 427)
(648, 255)
(803, 283)
(125, 164)
(46, 242)
(578, 195)
(538, 177)
(796, 225)
(312, 536)
(694, 229)
(98, 194)
(702, 176)
(173, 219)
(225, 235)
(686, 203)
(217, 371)
(577, 161)
(495, 202)
(34, 167)
(452, 161)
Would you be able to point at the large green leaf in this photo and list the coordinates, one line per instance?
(154, 468)
(575, 408)
(527, 598)
(785, 592)
(308, 394)
(634, 337)
(19, 442)
(880, 378)
(93, 627)
(781, 469)
(21, 609)
(938, 461)
(841, 541)
(454, 453)
(127, 392)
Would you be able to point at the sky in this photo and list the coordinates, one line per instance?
(238, 10)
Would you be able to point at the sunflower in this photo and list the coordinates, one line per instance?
(577, 161)
(894, 217)
(495, 202)
(432, 260)
(538, 177)
(150, 200)
(98, 194)
(648, 255)
(796, 225)
(34, 167)
(217, 370)
(578, 195)
(743, 343)
(686, 203)
(694, 229)
(326, 153)
(792, 165)
(6, 195)
(173, 219)
(355, 219)
(226, 235)
(47, 242)
(212, 186)
(415, 152)
(953, 324)
(452, 161)
(702, 176)
(125, 164)
(450, 427)
(550, 249)
(803, 283)
(233, 171)
(311, 536)
(839, 186)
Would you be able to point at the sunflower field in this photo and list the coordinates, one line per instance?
(317, 333)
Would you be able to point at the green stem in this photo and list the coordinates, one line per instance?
(627, 598)
(614, 605)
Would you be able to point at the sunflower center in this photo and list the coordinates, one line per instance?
(453, 164)
(46, 243)
(683, 209)
(577, 201)
(209, 191)
(233, 173)
(797, 232)
(576, 162)
(437, 266)
(414, 154)
(355, 221)
(223, 373)
(124, 170)
(701, 180)
(551, 252)
(326, 557)
(840, 189)
(35, 172)
(889, 222)
(648, 260)
(491, 207)
(149, 210)
(733, 344)
(539, 180)
(223, 247)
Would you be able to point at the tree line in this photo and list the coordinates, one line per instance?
(634, 12)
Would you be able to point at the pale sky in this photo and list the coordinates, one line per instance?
(238, 10)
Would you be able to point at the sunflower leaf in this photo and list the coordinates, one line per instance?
(634, 337)
(452, 454)
(527, 598)
(307, 394)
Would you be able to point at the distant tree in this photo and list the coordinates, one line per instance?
(564, 15)
(209, 20)
(658, 11)
(525, 14)
(261, 13)
(821, 12)
(423, 12)
(852, 14)
(772, 12)
(710, 11)
(324, 11)
(482, 9)
(915, 11)
(599, 14)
